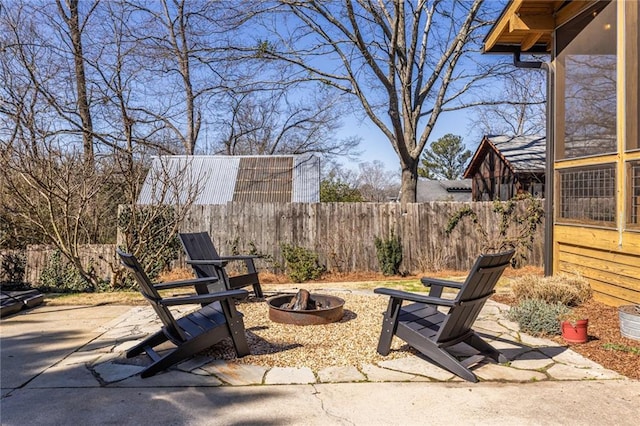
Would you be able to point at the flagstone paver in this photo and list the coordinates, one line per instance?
(237, 374)
(572, 372)
(503, 373)
(418, 366)
(340, 374)
(289, 375)
(379, 374)
(530, 359)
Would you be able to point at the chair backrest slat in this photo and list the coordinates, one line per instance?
(198, 246)
(477, 288)
(151, 294)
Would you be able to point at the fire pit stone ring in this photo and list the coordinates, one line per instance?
(331, 310)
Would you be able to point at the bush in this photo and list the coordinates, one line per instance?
(301, 264)
(537, 317)
(61, 277)
(569, 290)
(12, 270)
(389, 253)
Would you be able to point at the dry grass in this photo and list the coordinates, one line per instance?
(569, 290)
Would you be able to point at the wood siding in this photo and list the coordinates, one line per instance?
(492, 174)
(613, 270)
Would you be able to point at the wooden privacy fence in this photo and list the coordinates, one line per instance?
(343, 234)
(100, 256)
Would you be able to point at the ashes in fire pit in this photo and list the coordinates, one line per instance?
(304, 308)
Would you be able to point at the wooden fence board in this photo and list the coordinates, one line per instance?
(342, 234)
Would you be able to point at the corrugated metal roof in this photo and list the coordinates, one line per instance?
(264, 180)
(215, 179)
(524, 153)
(306, 179)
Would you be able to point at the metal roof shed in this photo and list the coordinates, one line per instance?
(219, 179)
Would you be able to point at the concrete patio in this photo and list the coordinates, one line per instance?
(66, 364)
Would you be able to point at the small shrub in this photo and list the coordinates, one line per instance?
(61, 277)
(12, 270)
(389, 253)
(537, 317)
(569, 290)
(301, 264)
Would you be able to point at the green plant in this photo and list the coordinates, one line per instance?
(570, 290)
(621, 348)
(62, 277)
(12, 269)
(538, 317)
(389, 253)
(518, 220)
(301, 264)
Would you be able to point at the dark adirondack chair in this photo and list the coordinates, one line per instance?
(206, 262)
(193, 333)
(433, 332)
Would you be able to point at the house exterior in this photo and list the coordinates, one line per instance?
(593, 149)
(504, 166)
(443, 190)
(219, 179)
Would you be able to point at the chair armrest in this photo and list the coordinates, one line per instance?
(185, 283)
(217, 262)
(427, 282)
(240, 257)
(413, 297)
(204, 298)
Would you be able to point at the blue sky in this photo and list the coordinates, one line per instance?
(375, 146)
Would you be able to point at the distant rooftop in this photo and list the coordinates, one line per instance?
(443, 190)
(522, 153)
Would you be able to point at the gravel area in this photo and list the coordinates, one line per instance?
(351, 341)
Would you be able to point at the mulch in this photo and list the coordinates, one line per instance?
(606, 346)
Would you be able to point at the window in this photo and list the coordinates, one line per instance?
(587, 195)
(633, 188)
(586, 61)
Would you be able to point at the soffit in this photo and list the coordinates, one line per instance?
(528, 25)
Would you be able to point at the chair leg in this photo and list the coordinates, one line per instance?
(152, 341)
(258, 291)
(485, 348)
(435, 353)
(176, 355)
(447, 361)
(235, 325)
(389, 325)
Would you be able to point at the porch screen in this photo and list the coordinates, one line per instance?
(588, 195)
(586, 62)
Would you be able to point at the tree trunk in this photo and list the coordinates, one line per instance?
(409, 182)
(73, 23)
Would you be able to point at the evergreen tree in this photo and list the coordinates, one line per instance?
(446, 159)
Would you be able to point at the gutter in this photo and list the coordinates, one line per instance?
(550, 147)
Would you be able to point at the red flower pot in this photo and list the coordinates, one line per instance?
(575, 332)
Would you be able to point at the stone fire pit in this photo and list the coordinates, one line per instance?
(304, 308)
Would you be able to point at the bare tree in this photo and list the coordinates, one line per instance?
(183, 46)
(70, 14)
(400, 59)
(267, 123)
(517, 109)
(376, 183)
